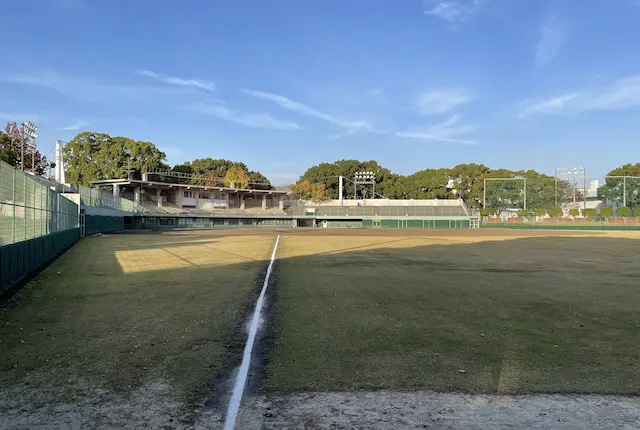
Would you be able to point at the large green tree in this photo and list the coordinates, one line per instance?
(94, 156)
(214, 170)
(622, 191)
(540, 189)
(427, 184)
(468, 181)
(328, 173)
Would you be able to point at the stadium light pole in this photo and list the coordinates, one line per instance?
(364, 178)
(574, 173)
(29, 131)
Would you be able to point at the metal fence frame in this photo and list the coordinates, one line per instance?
(95, 197)
(531, 187)
(624, 185)
(32, 207)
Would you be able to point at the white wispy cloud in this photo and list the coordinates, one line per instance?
(449, 131)
(441, 100)
(452, 11)
(182, 82)
(90, 90)
(286, 103)
(621, 94)
(549, 106)
(553, 36)
(74, 126)
(254, 120)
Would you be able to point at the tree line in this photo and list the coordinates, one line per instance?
(464, 181)
(92, 156)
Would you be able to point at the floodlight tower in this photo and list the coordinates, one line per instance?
(29, 131)
(364, 179)
(572, 175)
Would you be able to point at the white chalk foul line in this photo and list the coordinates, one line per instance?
(241, 379)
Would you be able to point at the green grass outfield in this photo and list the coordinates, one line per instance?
(120, 311)
(466, 310)
(491, 312)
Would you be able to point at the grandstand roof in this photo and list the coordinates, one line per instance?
(107, 182)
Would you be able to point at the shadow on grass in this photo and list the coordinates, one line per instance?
(86, 319)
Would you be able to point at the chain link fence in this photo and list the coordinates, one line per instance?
(622, 191)
(376, 211)
(32, 207)
(538, 195)
(104, 199)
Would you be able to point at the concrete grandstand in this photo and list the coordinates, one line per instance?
(173, 197)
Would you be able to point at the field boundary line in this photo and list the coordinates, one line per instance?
(241, 379)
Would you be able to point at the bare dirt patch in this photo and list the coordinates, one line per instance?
(427, 409)
(35, 404)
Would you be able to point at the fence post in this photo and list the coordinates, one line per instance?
(33, 211)
(484, 194)
(13, 224)
(57, 214)
(24, 206)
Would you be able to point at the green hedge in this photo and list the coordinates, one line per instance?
(606, 212)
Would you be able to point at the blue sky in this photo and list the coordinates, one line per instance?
(285, 84)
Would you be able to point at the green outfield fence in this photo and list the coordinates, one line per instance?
(36, 223)
(103, 224)
(200, 222)
(597, 223)
(369, 211)
(444, 223)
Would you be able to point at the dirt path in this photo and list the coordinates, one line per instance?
(417, 410)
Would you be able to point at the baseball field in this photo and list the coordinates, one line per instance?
(132, 329)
